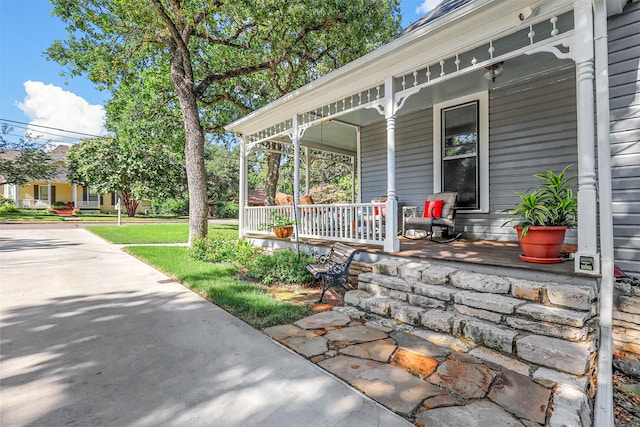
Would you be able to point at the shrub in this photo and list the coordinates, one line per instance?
(59, 204)
(281, 266)
(8, 209)
(171, 207)
(216, 247)
(6, 201)
(227, 210)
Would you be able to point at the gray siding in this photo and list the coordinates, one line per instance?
(414, 158)
(532, 127)
(373, 164)
(624, 86)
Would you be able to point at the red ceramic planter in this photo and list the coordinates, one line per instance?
(542, 244)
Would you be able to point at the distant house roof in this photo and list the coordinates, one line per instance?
(59, 153)
(9, 154)
(442, 9)
(256, 197)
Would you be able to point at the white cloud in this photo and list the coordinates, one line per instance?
(49, 105)
(427, 6)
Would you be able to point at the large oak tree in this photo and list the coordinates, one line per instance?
(224, 57)
(107, 164)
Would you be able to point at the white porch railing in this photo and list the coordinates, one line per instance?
(43, 204)
(33, 204)
(356, 222)
(83, 204)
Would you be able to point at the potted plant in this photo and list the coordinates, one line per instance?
(281, 224)
(544, 215)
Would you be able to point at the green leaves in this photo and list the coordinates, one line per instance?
(552, 203)
(23, 161)
(202, 64)
(106, 164)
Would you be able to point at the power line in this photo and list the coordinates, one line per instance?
(46, 136)
(49, 127)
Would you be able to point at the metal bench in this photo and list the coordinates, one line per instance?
(333, 268)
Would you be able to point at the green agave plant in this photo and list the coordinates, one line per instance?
(552, 203)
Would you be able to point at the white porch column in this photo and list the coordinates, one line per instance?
(391, 241)
(358, 163)
(49, 193)
(74, 195)
(296, 160)
(353, 179)
(307, 170)
(587, 258)
(243, 186)
(295, 138)
(16, 191)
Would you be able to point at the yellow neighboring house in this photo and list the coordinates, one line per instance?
(43, 194)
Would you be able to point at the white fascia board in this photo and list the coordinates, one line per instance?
(460, 30)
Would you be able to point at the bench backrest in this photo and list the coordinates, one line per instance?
(342, 254)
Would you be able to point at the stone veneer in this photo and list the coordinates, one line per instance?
(544, 331)
(626, 328)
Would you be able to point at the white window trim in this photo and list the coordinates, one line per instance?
(38, 196)
(483, 149)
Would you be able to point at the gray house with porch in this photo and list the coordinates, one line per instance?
(533, 85)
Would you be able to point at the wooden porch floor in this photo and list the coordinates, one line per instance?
(500, 254)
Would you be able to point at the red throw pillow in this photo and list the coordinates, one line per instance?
(376, 210)
(433, 209)
(436, 208)
(426, 213)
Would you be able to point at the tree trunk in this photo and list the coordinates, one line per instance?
(129, 204)
(273, 174)
(194, 146)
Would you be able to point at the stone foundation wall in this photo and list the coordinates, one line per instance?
(626, 328)
(544, 331)
(356, 269)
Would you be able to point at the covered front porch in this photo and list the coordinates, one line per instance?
(516, 96)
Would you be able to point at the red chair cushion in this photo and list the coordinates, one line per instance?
(376, 210)
(433, 209)
(426, 212)
(436, 208)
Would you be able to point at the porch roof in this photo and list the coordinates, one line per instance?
(468, 26)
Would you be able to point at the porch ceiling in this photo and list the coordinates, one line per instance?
(339, 135)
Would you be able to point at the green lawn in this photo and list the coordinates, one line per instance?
(38, 215)
(247, 301)
(29, 215)
(154, 233)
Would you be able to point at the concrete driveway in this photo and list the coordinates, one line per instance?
(93, 337)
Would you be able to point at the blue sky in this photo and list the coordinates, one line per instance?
(31, 88)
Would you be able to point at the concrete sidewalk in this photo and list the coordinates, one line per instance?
(93, 337)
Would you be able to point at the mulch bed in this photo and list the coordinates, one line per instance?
(626, 400)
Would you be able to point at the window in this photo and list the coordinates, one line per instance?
(41, 192)
(460, 153)
(88, 196)
(10, 191)
(461, 150)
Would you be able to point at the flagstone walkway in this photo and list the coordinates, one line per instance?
(426, 377)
